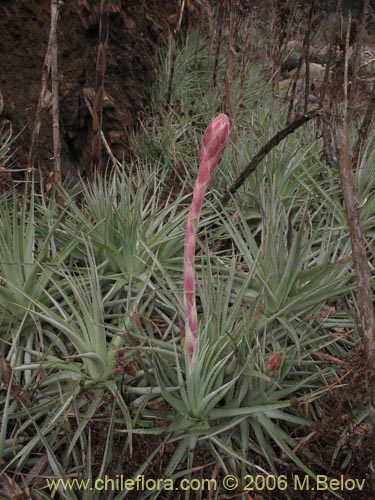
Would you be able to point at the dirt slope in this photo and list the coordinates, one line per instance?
(137, 28)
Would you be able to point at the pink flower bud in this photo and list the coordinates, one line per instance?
(214, 141)
(273, 363)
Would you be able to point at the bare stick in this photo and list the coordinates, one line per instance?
(55, 92)
(247, 51)
(307, 56)
(41, 106)
(97, 118)
(174, 54)
(358, 244)
(290, 28)
(204, 19)
(295, 81)
(274, 141)
(327, 143)
(358, 45)
(115, 162)
(228, 97)
(218, 40)
(277, 38)
(361, 268)
(330, 53)
(346, 68)
(281, 10)
(43, 100)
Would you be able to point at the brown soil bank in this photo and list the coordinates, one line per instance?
(136, 29)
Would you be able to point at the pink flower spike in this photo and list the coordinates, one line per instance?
(214, 141)
(273, 363)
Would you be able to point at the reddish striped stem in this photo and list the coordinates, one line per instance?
(214, 141)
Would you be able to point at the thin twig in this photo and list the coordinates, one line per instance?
(280, 28)
(288, 37)
(295, 81)
(97, 117)
(277, 39)
(174, 54)
(115, 162)
(247, 50)
(274, 141)
(346, 69)
(361, 268)
(330, 53)
(218, 39)
(55, 4)
(228, 97)
(43, 101)
(358, 244)
(358, 45)
(307, 58)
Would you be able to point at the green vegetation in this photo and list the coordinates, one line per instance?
(92, 303)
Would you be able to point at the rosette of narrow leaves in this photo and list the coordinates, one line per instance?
(235, 401)
(24, 275)
(214, 141)
(82, 343)
(81, 318)
(128, 219)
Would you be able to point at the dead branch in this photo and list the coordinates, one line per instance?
(304, 56)
(218, 39)
(44, 94)
(358, 244)
(327, 143)
(97, 118)
(247, 50)
(346, 68)
(277, 39)
(55, 92)
(274, 141)
(295, 81)
(281, 12)
(174, 54)
(358, 45)
(228, 96)
(360, 264)
(330, 53)
(115, 162)
(307, 57)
